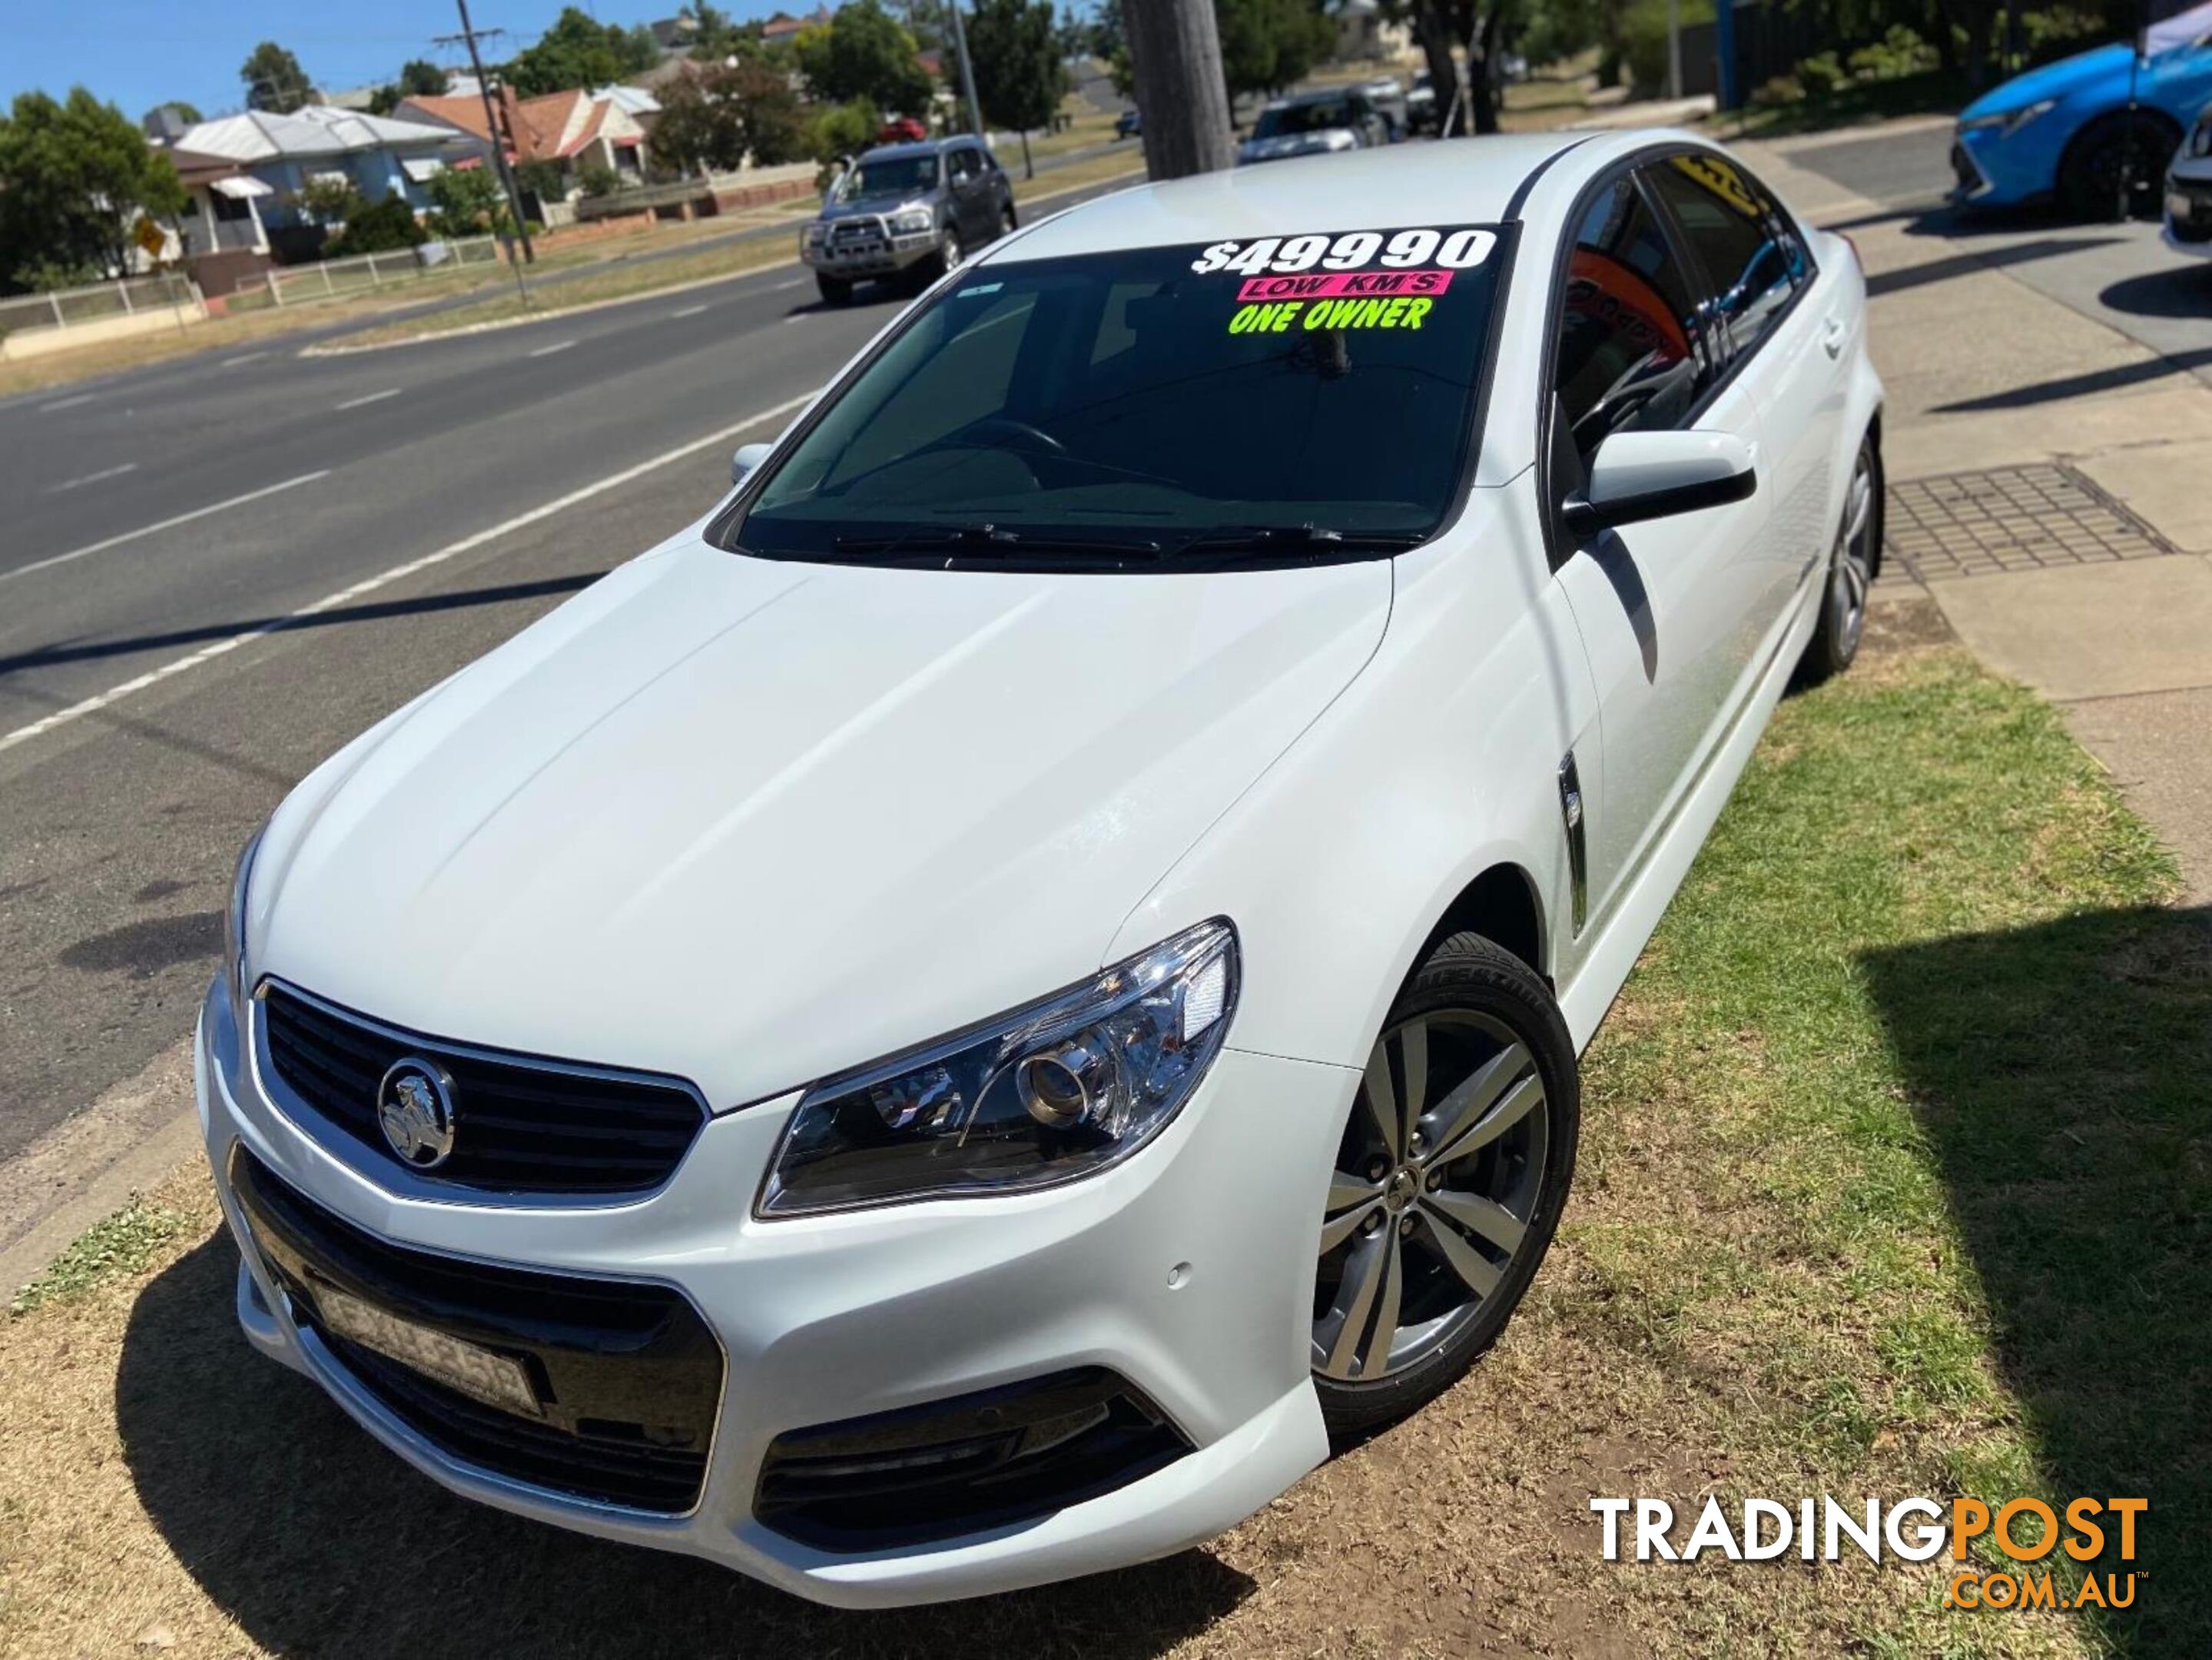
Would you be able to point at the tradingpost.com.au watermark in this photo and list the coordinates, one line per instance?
(1912, 1530)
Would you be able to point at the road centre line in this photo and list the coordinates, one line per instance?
(162, 525)
(242, 357)
(547, 351)
(779, 287)
(369, 585)
(92, 478)
(67, 402)
(688, 311)
(372, 397)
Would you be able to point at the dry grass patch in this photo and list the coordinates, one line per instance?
(1894, 1181)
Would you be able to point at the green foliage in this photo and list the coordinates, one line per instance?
(123, 1245)
(1821, 76)
(714, 39)
(716, 118)
(865, 53)
(1014, 48)
(542, 179)
(420, 78)
(1899, 53)
(1779, 92)
(1643, 39)
(383, 100)
(76, 176)
(580, 51)
(467, 203)
(274, 79)
(377, 228)
(330, 201)
(186, 112)
(597, 178)
(1268, 45)
(840, 129)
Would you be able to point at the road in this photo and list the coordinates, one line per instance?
(422, 501)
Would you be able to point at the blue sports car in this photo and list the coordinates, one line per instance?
(2065, 130)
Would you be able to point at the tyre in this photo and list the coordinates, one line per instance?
(1008, 223)
(835, 291)
(1852, 566)
(2097, 161)
(950, 254)
(1454, 1162)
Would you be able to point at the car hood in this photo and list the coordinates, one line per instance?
(883, 202)
(753, 823)
(2060, 80)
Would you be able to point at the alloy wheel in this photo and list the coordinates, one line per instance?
(1852, 571)
(1435, 1183)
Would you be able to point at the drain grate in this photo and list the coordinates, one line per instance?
(2010, 519)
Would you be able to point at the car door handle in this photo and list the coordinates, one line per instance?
(1832, 337)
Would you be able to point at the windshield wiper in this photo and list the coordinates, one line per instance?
(1285, 539)
(923, 539)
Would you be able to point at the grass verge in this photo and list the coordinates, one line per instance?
(1894, 1181)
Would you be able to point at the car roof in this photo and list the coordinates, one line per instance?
(918, 146)
(1466, 181)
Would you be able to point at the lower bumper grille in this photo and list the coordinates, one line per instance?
(628, 1376)
(993, 1459)
(2191, 210)
(1967, 171)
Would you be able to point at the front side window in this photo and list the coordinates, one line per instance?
(1297, 396)
(1323, 116)
(1752, 259)
(1630, 353)
(963, 165)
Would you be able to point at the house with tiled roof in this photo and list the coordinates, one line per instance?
(380, 156)
(575, 131)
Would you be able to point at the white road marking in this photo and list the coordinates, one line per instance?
(93, 477)
(166, 524)
(547, 351)
(778, 288)
(67, 402)
(242, 357)
(372, 397)
(688, 311)
(369, 585)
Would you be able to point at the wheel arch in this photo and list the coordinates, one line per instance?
(1503, 906)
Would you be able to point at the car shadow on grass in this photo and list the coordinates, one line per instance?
(2063, 1075)
(316, 1541)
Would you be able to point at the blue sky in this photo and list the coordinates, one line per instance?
(138, 53)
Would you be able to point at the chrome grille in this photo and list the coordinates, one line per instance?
(521, 1125)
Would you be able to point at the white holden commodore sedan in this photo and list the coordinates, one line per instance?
(960, 1021)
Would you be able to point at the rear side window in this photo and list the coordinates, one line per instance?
(1629, 353)
(1752, 261)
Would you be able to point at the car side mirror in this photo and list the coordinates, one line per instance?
(745, 458)
(1637, 476)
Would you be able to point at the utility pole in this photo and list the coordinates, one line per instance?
(1673, 48)
(499, 135)
(966, 71)
(1175, 57)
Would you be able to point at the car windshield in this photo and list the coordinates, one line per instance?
(891, 175)
(1304, 118)
(1302, 396)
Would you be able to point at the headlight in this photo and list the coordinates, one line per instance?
(1058, 1089)
(2010, 121)
(233, 923)
(2200, 142)
(811, 236)
(913, 222)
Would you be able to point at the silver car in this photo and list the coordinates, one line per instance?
(907, 214)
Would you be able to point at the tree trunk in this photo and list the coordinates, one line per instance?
(1482, 69)
(1175, 56)
(1028, 168)
(1443, 72)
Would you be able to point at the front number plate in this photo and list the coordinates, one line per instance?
(497, 1380)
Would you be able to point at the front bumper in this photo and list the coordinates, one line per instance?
(2188, 227)
(1186, 1271)
(869, 257)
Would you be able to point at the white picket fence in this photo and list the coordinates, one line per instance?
(97, 303)
(334, 279)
